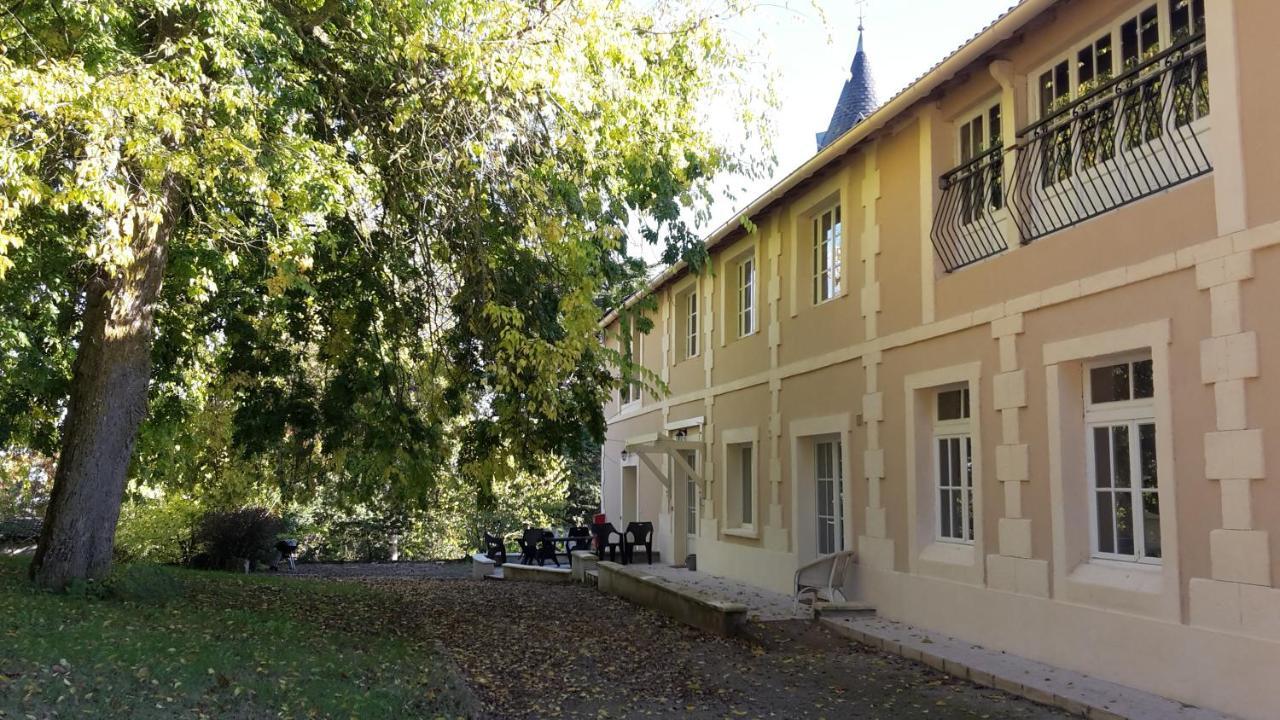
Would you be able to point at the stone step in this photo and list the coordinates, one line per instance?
(591, 577)
(840, 609)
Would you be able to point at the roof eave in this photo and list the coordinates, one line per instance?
(982, 43)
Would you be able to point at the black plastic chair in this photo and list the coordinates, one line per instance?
(536, 546)
(547, 548)
(495, 549)
(638, 533)
(604, 533)
(581, 539)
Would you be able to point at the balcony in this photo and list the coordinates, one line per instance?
(966, 227)
(1134, 135)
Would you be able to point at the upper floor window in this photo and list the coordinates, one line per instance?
(827, 253)
(953, 466)
(1121, 446)
(984, 187)
(688, 304)
(746, 297)
(1138, 37)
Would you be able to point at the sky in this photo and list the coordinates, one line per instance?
(810, 50)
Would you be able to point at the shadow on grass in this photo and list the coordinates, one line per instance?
(162, 643)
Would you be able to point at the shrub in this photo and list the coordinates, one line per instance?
(224, 539)
(157, 530)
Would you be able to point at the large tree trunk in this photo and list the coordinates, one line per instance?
(107, 403)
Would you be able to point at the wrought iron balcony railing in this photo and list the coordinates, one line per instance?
(1131, 137)
(965, 229)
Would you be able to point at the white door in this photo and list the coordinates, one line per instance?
(691, 505)
(630, 495)
(829, 474)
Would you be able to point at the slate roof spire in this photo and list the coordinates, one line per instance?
(857, 100)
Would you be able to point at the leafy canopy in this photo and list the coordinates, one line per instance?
(399, 219)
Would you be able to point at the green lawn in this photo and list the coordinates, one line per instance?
(215, 645)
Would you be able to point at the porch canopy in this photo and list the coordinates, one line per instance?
(651, 446)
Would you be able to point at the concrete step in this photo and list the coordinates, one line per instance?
(493, 576)
(843, 609)
(591, 577)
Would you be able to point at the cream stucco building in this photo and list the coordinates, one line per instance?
(1007, 338)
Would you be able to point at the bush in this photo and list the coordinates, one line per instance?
(224, 539)
(150, 584)
(157, 530)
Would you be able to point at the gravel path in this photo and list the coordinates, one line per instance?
(538, 651)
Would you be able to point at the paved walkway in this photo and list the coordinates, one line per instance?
(1070, 691)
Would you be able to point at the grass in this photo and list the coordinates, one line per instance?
(215, 645)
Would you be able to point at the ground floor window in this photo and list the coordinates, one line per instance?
(829, 472)
(955, 488)
(1123, 473)
(953, 465)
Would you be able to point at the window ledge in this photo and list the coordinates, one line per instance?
(743, 532)
(949, 553)
(1117, 575)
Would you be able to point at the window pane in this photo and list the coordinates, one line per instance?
(944, 464)
(1084, 65)
(1106, 530)
(1151, 524)
(1046, 93)
(955, 462)
(1120, 467)
(1102, 457)
(1109, 383)
(1147, 456)
(944, 513)
(1103, 56)
(1180, 18)
(746, 486)
(1124, 523)
(1129, 44)
(968, 462)
(1150, 31)
(957, 514)
(1061, 80)
(951, 405)
(1143, 380)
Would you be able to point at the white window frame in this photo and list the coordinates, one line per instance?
(1113, 28)
(964, 131)
(959, 431)
(828, 255)
(693, 495)
(1070, 56)
(835, 520)
(747, 274)
(692, 339)
(1131, 414)
(737, 441)
(1077, 577)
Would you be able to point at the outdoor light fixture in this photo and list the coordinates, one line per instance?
(625, 455)
(681, 434)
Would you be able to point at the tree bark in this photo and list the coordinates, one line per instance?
(108, 400)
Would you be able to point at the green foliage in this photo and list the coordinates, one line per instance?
(158, 529)
(223, 646)
(397, 225)
(25, 481)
